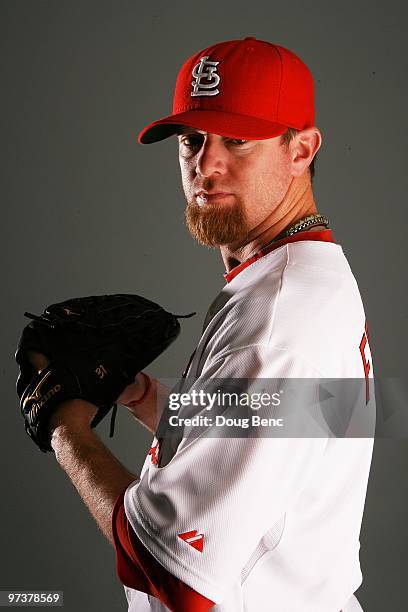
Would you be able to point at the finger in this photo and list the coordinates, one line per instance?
(38, 360)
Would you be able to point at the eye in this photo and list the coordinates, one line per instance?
(191, 140)
(237, 141)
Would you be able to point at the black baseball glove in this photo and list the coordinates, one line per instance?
(95, 346)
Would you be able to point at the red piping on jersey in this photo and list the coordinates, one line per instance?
(323, 236)
(138, 569)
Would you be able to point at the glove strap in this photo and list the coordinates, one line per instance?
(112, 422)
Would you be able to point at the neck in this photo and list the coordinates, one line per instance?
(298, 202)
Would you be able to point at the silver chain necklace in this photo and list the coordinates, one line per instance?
(302, 224)
(298, 226)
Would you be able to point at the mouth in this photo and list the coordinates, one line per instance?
(210, 197)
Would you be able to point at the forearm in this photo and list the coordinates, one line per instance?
(96, 474)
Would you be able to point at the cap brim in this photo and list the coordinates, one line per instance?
(231, 125)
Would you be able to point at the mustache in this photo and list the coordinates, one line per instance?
(210, 185)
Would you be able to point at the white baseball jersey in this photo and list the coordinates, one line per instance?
(267, 523)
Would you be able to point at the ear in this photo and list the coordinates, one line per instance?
(302, 149)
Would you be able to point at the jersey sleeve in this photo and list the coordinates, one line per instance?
(137, 569)
(202, 514)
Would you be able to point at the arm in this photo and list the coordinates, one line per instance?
(101, 480)
(96, 474)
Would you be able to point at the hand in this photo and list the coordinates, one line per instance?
(134, 391)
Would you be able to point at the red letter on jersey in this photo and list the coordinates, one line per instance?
(365, 341)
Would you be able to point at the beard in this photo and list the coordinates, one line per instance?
(213, 225)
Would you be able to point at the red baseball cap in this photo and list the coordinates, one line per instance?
(248, 89)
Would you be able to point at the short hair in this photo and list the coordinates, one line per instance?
(285, 140)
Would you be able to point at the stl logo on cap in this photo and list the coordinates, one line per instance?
(205, 69)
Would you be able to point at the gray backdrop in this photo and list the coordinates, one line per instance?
(86, 210)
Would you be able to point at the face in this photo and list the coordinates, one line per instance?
(233, 187)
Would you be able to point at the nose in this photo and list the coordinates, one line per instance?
(212, 156)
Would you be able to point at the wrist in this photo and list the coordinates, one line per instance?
(75, 415)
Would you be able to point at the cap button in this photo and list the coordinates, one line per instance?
(250, 38)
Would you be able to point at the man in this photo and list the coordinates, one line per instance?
(226, 522)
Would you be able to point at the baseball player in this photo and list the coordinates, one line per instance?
(236, 523)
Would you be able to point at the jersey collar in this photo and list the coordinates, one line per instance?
(323, 236)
